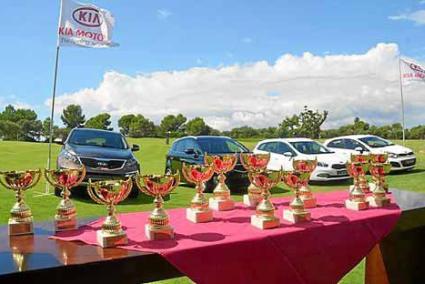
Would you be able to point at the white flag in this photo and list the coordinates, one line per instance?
(411, 71)
(85, 25)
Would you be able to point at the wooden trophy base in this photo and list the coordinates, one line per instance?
(221, 205)
(108, 240)
(264, 224)
(294, 217)
(378, 202)
(355, 205)
(310, 203)
(164, 233)
(199, 216)
(251, 200)
(20, 228)
(65, 224)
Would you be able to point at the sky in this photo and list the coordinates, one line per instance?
(234, 63)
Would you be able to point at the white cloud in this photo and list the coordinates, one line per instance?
(163, 14)
(260, 94)
(418, 17)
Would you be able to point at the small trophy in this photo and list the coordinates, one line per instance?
(306, 167)
(296, 212)
(379, 167)
(253, 163)
(221, 165)
(110, 193)
(199, 211)
(66, 215)
(158, 226)
(362, 159)
(21, 220)
(264, 217)
(357, 200)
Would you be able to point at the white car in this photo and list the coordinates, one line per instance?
(330, 166)
(400, 157)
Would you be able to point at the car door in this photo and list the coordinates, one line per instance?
(352, 146)
(285, 155)
(272, 149)
(338, 146)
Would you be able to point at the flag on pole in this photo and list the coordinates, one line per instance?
(411, 71)
(85, 25)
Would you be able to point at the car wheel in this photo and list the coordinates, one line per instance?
(211, 184)
(134, 191)
(58, 192)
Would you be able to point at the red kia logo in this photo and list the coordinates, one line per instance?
(416, 67)
(87, 16)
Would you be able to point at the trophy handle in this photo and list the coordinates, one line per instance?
(37, 179)
(90, 188)
(185, 168)
(50, 180)
(82, 176)
(2, 182)
(129, 185)
(141, 186)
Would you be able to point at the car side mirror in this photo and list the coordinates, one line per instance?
(288, 154)
(135, 148)
(190, 151)
(359, 149)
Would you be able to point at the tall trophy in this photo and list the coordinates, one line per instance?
(357, 199)
(264, 217)
(21, 220)
(379, 167)
(158, 226)
(253, 163)
(66, 215)
(199, 211)
(364, 160)
(296, 212)
(221, 165)
(306, 167)
(110, 193)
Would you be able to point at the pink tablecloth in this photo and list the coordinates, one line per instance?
(230, 250)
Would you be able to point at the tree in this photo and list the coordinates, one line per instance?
(311, 121)
(46, 129)
(174, 124)
(19, 124)
(72, 116)
(124, 123)
(142, 127)
(197, 126)
(100, 121)
(289, 127)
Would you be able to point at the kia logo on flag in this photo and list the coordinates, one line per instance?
(416, 68)
(87, 16)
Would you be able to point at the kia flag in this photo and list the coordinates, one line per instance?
(85, 25)
(411, 71)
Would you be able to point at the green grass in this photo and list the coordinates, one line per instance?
(21, 155)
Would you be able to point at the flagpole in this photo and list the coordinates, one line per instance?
(402, 100)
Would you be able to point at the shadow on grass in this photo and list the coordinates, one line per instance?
(332, 182)
(408, 172)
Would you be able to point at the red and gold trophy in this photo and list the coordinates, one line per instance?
(296, 212)
(110, 193)
(306, 167)
(254, 163)
(221, 165)
(199, 211)
(365, 160)
(66, 215)
(264, 217)
(357, 200)
(157, 186)
(379, 167)
(21, 220)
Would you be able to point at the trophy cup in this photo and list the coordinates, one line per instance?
(199, 210)
(296, 212)
(66, 215)
(253, 163)
(110, 193)
(357, 200)
(20, 221)
(264, 217)
(364, 160)
(221, 165)
(306, 167)
(379, 167)
(158, 227)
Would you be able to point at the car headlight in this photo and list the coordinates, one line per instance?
(322, 164)
(131, 163)
(68, 160)
(392, 155)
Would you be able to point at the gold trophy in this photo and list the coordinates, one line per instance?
(158, 226)
(110, 193)
(306, 167)
(362, 159)
(199, 211)
(296, 212)
(379, 167)
(66, 215)
(253, 163)
(221, 165)
(21, 220)
(357, 200)
(264, 217)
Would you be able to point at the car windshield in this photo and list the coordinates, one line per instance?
(310, 147)
(98, 138)
(375, 142)
(220, 146)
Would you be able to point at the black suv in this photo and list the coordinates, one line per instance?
(105, 154)
(191, 150)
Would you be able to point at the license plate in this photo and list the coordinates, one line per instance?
(341, 173)
(409, 162)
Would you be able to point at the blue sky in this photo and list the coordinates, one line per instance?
(178, 35)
